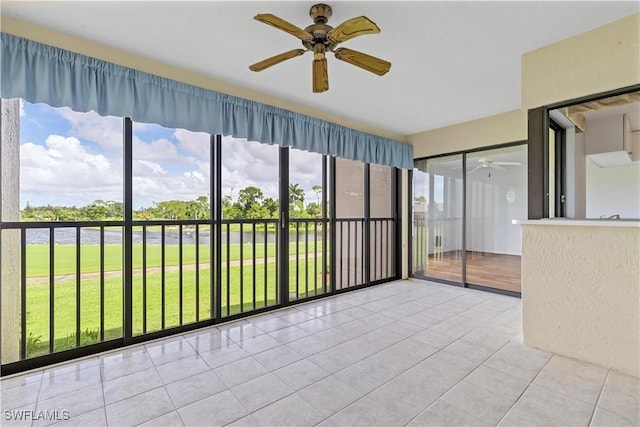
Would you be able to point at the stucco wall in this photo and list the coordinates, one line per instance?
(580, 284)
(498, 129)
(10, 199)
(581, 293)
(599, 60)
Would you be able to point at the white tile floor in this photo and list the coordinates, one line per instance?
(405, 353)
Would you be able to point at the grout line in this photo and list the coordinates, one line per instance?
(526, 388)
(104, 399)
(595, 407)
(39, 389)
(420, 361)
(362, 359)
(462, 379)
(334, 328)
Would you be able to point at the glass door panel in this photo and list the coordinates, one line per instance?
(382, 222)
(308, 252)
(349, 244)
(496, 194)
(437, 218)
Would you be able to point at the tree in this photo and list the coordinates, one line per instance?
(249, 202)
(270, 207)
(318, 190)
(296, 200)
(202, 205)
(313, 210)
(114, 209)
(229, 209)
(420, 200)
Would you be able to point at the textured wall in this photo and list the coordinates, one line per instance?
(10, 199)
(581, 293)
(499, 129)
(600, 60)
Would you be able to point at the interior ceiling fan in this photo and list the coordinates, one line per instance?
(488, 163)
(321, 38)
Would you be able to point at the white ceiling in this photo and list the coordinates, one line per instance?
(452, 61)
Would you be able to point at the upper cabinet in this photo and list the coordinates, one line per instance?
(608, 141)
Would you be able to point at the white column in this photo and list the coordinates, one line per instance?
(404, 199)
(10, 199)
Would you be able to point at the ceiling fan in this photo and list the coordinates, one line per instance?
(488, 163)
(322, 38)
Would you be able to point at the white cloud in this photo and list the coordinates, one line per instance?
(249, 164)
(196, 143)
(22, 112)
(195, 175)
(159, 149)
(145, 168)
(305, 169)
(188, 186)
(105, 131)
(64, 171)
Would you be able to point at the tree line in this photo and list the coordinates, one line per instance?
(251, 203)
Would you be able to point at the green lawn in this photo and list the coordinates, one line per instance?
(65, 256)
(65, 301)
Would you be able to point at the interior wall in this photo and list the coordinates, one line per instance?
(576, 174)
(490, 228)
(600, 60)
(613, 190)
(577, 282)
(580, 177)
(95, 50)
(492, 130)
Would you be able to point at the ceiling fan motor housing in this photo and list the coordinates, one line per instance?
(320, 13)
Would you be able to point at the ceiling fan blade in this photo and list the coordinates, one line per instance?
(320, 75)
(283, 25)
(351, 28)
(266, 63)
(508, 163)
(367, 62)
(475, 169)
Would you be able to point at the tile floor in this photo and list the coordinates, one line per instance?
(405, 353)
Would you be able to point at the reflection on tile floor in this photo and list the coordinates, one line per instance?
(405, 353)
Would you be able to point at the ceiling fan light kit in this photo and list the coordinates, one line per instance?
(321, 38)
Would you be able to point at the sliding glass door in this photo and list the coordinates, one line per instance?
(476, 195)
(437, 218)
(496, 194)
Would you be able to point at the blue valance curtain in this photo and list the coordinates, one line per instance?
(40, 73)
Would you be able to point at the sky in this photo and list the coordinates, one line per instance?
(71, 159)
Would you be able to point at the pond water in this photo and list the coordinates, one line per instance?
(89, 236)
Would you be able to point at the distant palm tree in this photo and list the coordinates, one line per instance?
(296, 199)
(296, 194)
(318, 190)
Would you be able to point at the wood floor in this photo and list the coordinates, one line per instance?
(492, 270)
